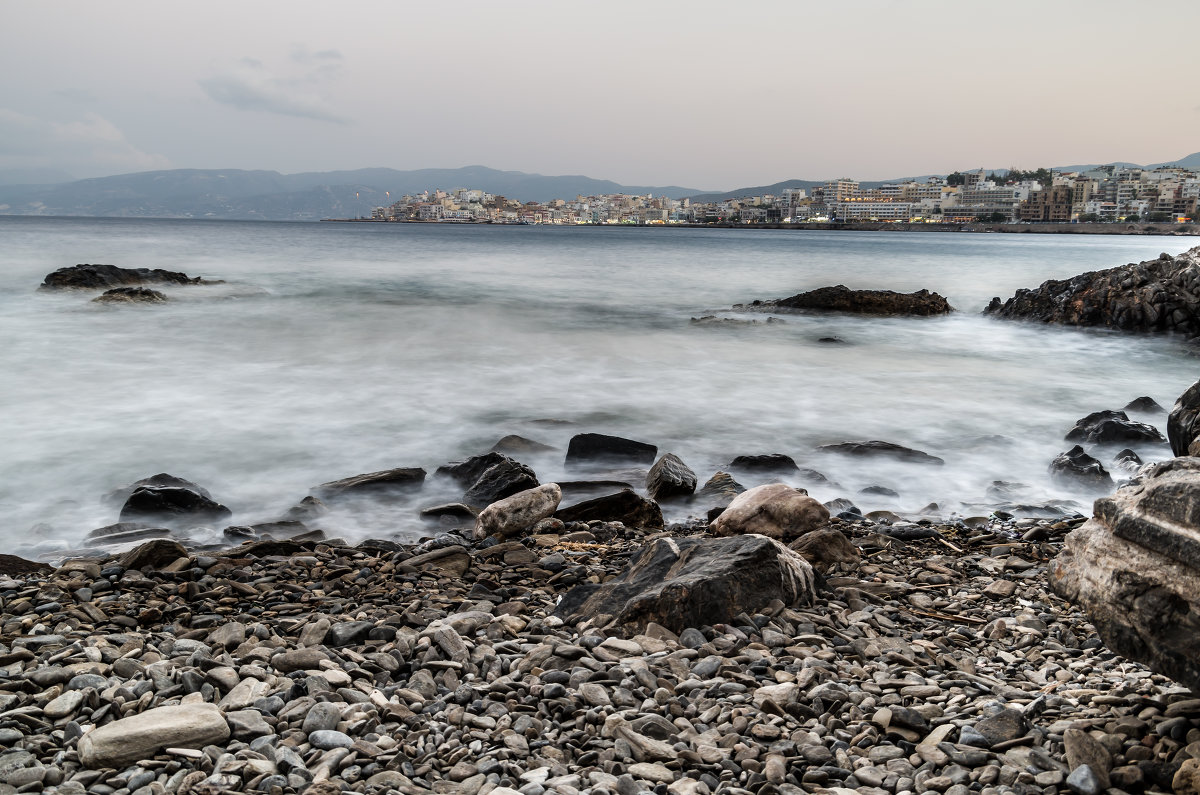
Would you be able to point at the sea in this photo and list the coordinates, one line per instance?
(333, 349)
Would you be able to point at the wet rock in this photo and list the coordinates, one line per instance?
(122, 532)
(513, 445)
(1183, 423)
(1127, 460)
(1113, 427)
(1155, 295)
(882, 450)
(1075, 468)
(306, 510)
(774, 510)
(514, 515)
(670, 477)
(373, 484)
(596, 448)
(153, 555)
(172, 506)
(130, 295)
(719, 490)
(141, 736)
(826, 547)
(693, 582)
(839, 298)
(162, 479)
(88, 277)
(770, 462)
(1144, 404)
(626, 507)
(502, 479)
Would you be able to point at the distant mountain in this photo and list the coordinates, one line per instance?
(1192, 161)
(269, 195)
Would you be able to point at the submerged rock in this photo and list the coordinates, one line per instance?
(840, 298)
(88, 277)
(597, 448)
(1183, 423)
(670, 477)
(775, 510)
(1156, 295)
(382, 483)
(1075, 468)
(174, 506)
(884, 450)
(1144, 404)
(1113, 427)
(130, 295)
(769, 462)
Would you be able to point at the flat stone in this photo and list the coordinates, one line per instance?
(140, 736)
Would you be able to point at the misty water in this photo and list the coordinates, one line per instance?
(336, 349)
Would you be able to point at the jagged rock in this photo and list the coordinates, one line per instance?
(1156, 295)
(843, 509)
(720, 489)
(1075, 468)
(1127, 460)
(770, 462)
(775, 510)
(519, 445)
(130, 295)
(88, 277)
(1182, 423)
(693, 582)
(1134, 567)
(517, 513)
(141, 736)
(153, 555)
(466, 472)
(375, 484)
(306, 510)
(626, 507)
(884, 450)
(596, 448)
(502, 479)
(1113, 427)
(825, 548)
(840, 298)
(670, 477)
(118, 496)
(174, 506)
(1144, 404)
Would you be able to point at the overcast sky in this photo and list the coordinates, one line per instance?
(709, 95)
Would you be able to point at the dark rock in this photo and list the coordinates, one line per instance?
(11, 565)
(465, 473)
(284, 529)
(265, 549)
(348, 633)
(841, 505)
(1134, 568)
(1003, 726)
(576, 490)
(840, 298)
(719, 490)
(519, 445)
(130, 295)
(502, 479)
(153, 555)
(374, 484)
(771, 462)
(670, 477)
(694, 582)
(1128, 460)
(1183, 423)
(306, 510)
(626, 507)
(88, 277)
(1144, 404)
(1156, 295)
(172, 505)
(453, 510)
(126, 531)
(831, 340)
(1113, 427)
(1078, 469)
(879, 491)
(596, 448)
(119, 496)
(882, 449)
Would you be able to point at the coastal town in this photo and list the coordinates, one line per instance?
(1106, 194)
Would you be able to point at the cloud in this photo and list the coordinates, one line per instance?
(250, 86)
(90, 144)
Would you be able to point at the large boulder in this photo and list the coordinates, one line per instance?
(775, 510)
(467, 471)
(513, 515)
(1113, 427)
(502, 479)
(173, 506)
(1076, 469)
(877, 449)
(384, 483)
(1135, 569)
(118, 496)
(91, 277)
(670, 477)
(840, 298)
(693, 582)
(626, 507)
(597, 448)
(1156, 295)
(1183, 426)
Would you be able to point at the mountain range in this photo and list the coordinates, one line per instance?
(310, 196)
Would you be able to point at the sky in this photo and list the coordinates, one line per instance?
(706, 95)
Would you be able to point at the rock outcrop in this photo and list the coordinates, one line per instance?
(840, 298)
(92, 277)
(1135, 568)
(1183, 423)
(775, 510)
(693, 582)
(1156, 295)
(1113, 427)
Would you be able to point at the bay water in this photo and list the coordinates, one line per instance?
(334, 349)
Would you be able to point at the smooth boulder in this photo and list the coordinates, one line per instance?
(884, 303)
(670, 477)
(1183, 423)
(141, 736)
(626, 507)
(1134, 567)
(174, 506)
(1113, 427)
(598, 448)
(375, 484)
(693, 582)
(517, 513)
(775, 510)
(769, 462)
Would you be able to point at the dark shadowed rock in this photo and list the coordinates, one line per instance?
(465, 473)
(840, 298)
(692, 582)
(1182, 424)
(1113, 427)
(626, 507)
(597, 448)
(1144, 404)
(11, 565)
(882, 450)
(503, 479)
(123, 532)
(1127, 460)
(1075, 468)
(519, 445)
(374, 484)
(130, 295)
(88, 277)
(670, 477)
(451, 510)
(1003, 726)
(173, 506)
(1156, 295)
(264, 549)
(770, 462)
(153, 555)
(306, 510)
(118, 496)
(720, 490)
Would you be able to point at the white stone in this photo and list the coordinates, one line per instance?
(127, 740)
(775, 510)
(512, 515)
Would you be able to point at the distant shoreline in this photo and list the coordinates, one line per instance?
(1149, 228)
